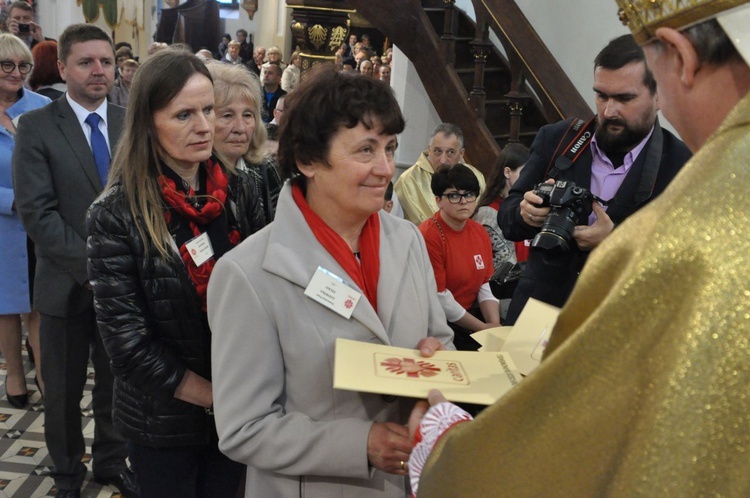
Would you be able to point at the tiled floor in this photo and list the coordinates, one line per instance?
(24, 461)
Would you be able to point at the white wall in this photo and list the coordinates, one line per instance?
(270, 26)
(421, 116)
(575, 31)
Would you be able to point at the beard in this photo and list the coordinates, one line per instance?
(623, 141)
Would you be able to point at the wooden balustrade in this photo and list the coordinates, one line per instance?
(529, 90)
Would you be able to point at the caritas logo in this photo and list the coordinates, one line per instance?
(412, 368)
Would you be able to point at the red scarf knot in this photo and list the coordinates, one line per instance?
(197, 216)
(365, 272)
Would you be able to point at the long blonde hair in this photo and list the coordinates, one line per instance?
(136, 164)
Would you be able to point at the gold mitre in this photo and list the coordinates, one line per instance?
(644, 17)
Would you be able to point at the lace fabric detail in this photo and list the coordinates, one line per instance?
(436, 422)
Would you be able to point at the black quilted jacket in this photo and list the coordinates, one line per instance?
(151, 320)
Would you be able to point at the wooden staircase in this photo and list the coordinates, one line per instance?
(495, 97)
(497, 77)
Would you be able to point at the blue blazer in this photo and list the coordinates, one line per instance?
(14, 273)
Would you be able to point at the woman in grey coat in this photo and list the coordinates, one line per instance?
(273, 347)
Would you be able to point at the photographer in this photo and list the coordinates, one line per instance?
(21, 23)
(622, 156)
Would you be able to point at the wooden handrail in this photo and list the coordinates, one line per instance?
(414, 35)
(560, 99)
(535, 76)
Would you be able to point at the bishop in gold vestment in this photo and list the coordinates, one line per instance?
(645, 389)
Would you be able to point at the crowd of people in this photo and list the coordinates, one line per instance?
(202, 227)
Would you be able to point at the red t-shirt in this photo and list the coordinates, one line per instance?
(462, 261)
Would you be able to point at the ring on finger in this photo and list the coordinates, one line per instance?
(403, 465)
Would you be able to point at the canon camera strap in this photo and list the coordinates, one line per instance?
(576, 139)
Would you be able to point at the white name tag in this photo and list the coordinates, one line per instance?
(332, 292)
(200, 249)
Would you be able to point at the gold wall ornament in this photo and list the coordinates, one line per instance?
(298, 33)
(250, 6)
(644, 17)
(317, 35)
(338, 35)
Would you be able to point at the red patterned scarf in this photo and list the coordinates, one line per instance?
(197, 217)
(364, 274)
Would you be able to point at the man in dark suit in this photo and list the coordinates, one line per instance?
(60, 165)
(623, 156)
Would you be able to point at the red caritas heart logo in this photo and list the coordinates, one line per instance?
(412, 368)
(348, 304)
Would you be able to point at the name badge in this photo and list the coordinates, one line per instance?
(332, 292)
(200, 249)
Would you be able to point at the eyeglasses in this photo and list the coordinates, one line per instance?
(10, 66)
(455, 197)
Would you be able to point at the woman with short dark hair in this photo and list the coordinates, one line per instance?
(461, 255)
(273, 347)
(169, 212)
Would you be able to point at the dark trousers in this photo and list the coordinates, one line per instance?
(65, 347)
(185, 471)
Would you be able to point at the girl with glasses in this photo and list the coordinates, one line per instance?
(461, 255)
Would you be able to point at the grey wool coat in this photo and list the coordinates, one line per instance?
(273, 357)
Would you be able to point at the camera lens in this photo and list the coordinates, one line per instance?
(554, 236)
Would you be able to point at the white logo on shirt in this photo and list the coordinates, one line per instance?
(479, 261)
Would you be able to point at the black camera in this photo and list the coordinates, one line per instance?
(567, 203)
(24, 28)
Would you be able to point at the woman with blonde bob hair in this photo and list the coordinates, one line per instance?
(240, 135)
(169, 212)
(17, 260)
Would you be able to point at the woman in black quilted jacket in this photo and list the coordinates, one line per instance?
(169, 212)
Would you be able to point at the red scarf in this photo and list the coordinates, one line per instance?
(216, 189)
(364, 274)
(216, 195)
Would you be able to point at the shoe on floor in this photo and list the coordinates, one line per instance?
(124, 482)
(19, 400)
